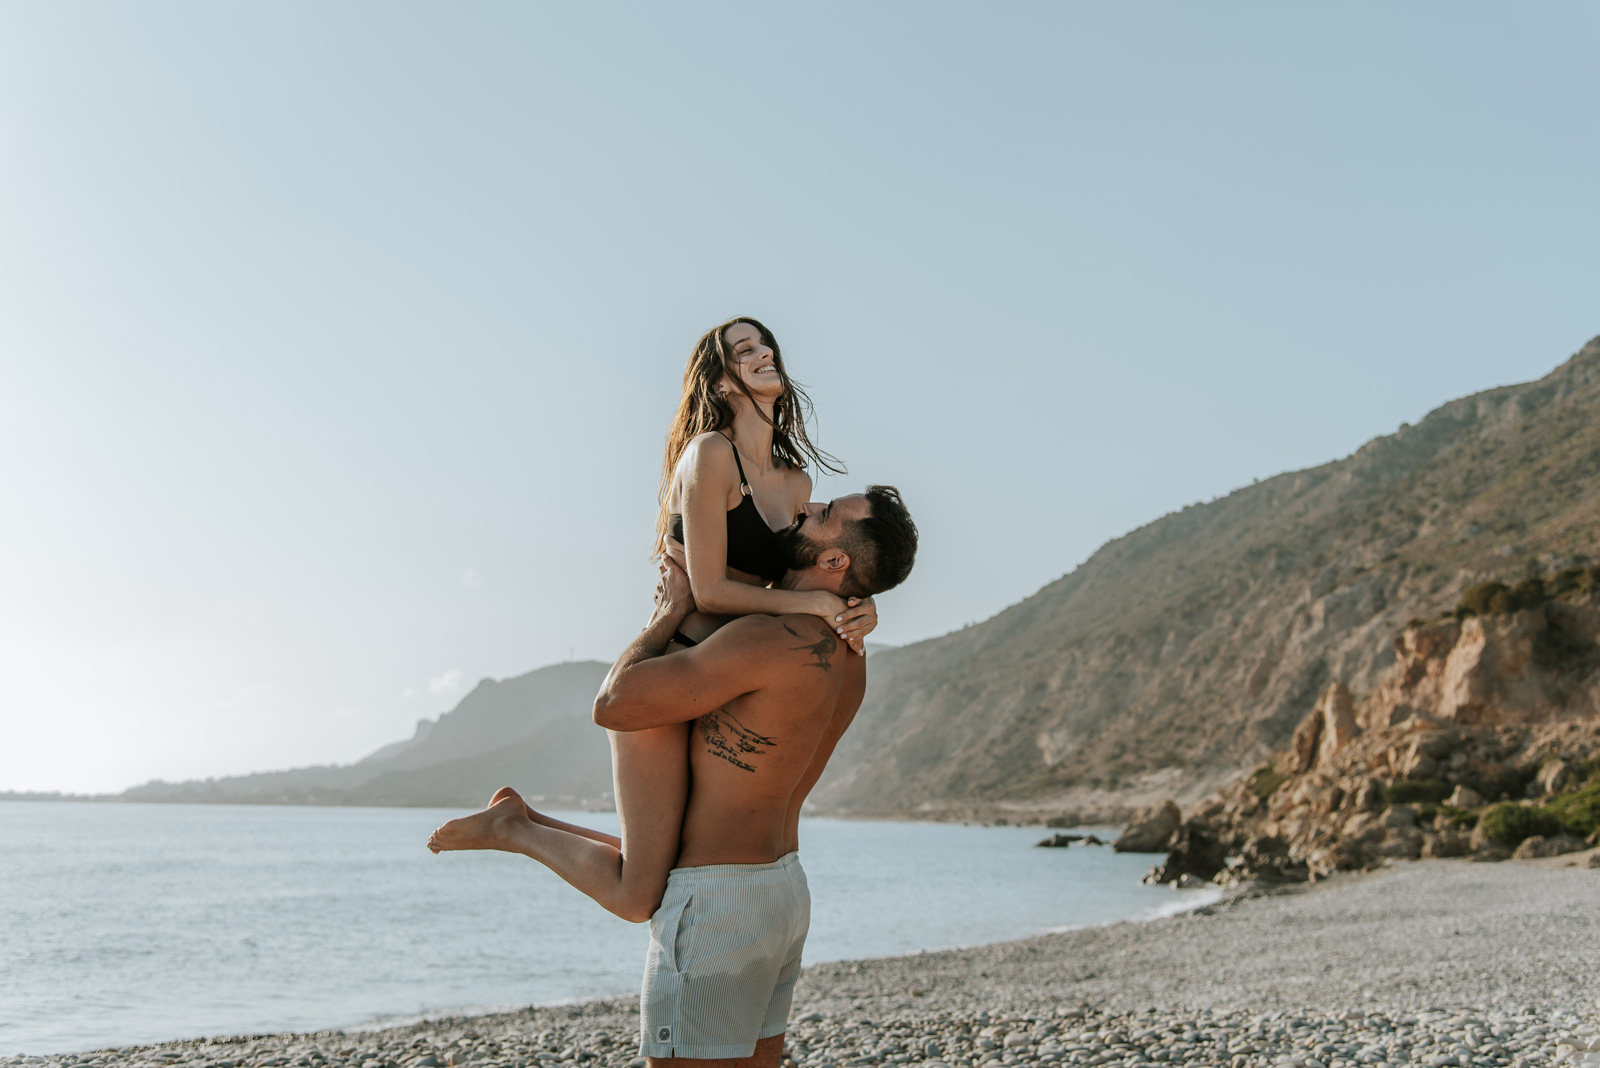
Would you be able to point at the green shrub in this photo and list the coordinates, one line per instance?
(1578, 809)
(1264, 781)
(1589, 772)
(1460, 818)
(1503, 781)
(1529, 593)
(1489, 598)
(1412, 791)
(1483, 599)
(1572, 580)
(1509, 823)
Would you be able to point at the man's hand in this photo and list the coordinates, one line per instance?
(674, 597)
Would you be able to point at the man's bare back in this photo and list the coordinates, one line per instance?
(756, 756)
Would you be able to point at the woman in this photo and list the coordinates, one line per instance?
(735, 460)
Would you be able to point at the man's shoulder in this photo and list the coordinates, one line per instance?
(796, 645)
(811, 643)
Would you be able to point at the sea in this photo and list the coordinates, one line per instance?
(136, 923)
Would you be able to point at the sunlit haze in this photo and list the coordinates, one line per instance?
(338, 341)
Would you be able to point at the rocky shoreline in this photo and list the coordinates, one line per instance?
(1483, 738)
(1437, 964)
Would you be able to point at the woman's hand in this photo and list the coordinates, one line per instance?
(677, 552)
(859, 619)
(845, 616)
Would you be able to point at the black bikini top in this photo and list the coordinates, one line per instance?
(753, 547)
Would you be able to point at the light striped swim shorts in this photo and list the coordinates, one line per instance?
(724, 956)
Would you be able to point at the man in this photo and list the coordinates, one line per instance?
(771, 696)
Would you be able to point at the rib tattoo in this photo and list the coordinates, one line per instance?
(732, 740)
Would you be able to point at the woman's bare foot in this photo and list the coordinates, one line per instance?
(505, 792)
(495, 827)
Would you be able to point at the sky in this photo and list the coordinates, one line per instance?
(338, 341)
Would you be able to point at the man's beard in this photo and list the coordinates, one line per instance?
(799, 551)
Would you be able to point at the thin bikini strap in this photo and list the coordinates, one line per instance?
(744, 483)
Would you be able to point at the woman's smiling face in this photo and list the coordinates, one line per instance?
(753, 360)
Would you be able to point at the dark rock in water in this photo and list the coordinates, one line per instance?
(1197, 852)
(1092, 840)
(1059, 841)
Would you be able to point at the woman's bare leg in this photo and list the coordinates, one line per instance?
(651, 772)
(561, 825)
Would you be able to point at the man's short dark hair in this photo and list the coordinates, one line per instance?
(881, 547)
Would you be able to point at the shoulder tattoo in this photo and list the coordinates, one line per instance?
(823, 648)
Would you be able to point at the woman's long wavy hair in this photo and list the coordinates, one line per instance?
(701, 409)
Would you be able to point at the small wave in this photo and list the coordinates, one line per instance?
(1186, 901)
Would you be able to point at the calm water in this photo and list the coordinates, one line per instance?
(137, 923)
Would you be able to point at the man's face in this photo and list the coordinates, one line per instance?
(818, 528)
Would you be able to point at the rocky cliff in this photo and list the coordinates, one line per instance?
(1482, 738)
(1186, 653)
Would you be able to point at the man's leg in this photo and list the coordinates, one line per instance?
(768, 1052)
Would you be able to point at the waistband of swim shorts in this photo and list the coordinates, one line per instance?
(787, 862)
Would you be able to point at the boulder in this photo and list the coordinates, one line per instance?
(1338, 721)
(1464, 797)
(1529, 848)
(1400, 817)
(1554, 776)
(1402, 843)
(1151, 831)
(1594, 861)
(1059, 841)
(1196, 852)
(1554, 846)
(1266, 857)
(1447, 842)
(1344, 855)
(1302, 755)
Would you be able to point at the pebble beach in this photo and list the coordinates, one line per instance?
(1436, 964)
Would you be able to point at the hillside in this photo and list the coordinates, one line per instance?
(1185, 653)
(533, 732)
(1173, 660)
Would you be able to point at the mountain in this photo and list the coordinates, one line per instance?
(533, 732)
(1184, 653)
(1175, 659)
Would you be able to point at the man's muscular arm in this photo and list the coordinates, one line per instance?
(645, 689)
(674, 602)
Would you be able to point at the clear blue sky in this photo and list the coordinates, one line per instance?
(337, 341)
